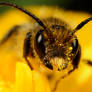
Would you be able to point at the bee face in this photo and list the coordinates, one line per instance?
(53, 47)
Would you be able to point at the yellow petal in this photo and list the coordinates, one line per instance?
(40, 82)
(5, 86)
(23, 81)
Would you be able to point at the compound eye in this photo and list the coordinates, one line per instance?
(75, 45)
(40, 48)
(39, 39)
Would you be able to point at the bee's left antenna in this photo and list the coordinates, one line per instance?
(25, 11)
(80, 25)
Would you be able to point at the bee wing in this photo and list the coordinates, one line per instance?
(12, 43)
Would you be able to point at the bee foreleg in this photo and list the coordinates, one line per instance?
(28, 50)
(62, 77)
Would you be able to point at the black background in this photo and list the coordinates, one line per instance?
(76, 5)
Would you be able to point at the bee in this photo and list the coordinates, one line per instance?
(51, 42)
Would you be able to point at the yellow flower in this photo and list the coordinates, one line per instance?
(24, 79)
(16, 76)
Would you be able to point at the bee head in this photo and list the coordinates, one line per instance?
(57, 46)
(52, 45)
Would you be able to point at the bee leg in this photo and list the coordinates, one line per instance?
(89, 62)
(75, 66)
(9, 34)
(28, 50)
(62, 77)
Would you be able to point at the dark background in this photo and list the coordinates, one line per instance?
(76, 5)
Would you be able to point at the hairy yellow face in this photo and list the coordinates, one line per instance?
(12, 69)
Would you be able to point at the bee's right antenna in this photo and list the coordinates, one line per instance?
(26, 12)
(80, 25)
